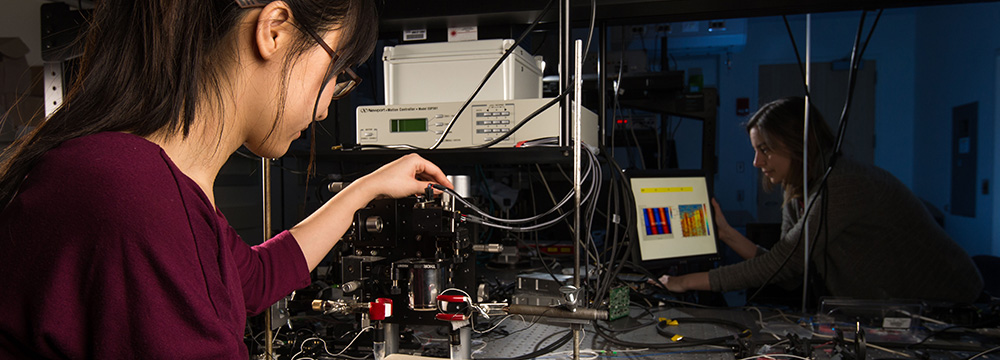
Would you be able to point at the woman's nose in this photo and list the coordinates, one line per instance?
(758, 159)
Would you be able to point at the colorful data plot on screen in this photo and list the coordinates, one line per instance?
(657, 221)
(693, 220)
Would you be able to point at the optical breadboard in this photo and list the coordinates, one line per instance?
(420, 125)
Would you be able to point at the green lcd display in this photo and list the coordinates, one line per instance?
(408, 125)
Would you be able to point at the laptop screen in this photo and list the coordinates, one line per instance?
(674, 217)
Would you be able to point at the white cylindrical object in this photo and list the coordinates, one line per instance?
(461, 183)
(378, 350)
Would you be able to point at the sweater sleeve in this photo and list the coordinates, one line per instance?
(269, 271)
(785, 261)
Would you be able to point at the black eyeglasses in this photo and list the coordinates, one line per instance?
(347, 80)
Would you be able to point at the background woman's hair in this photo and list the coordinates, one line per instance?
(149, 65)
(780, 123)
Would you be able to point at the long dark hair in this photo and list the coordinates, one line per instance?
(148, 64)
(780, 123)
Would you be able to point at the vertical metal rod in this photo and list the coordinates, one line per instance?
(465, 336)
(577, 159)
(391, 338)
(265, 181)
(805, 163)
(565, 59)
(602, 120)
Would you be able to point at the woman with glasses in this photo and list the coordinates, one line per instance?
(111, 244)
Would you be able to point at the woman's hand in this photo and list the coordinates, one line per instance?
(739, 243)
(408, 175)
(725, 230)
(674, 286)
(682, 283)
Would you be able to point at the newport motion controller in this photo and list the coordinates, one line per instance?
(420, 125)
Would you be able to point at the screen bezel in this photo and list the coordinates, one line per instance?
(663, 263)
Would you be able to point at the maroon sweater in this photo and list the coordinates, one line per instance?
(109, 251)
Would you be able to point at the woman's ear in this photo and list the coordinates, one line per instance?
(274, 29)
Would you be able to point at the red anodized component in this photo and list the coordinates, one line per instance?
(450, 317)
(380, 309)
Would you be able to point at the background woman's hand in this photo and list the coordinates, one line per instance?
(733, 238)
(682, 283)
(406, 176)
(720, 220)
(674, 286)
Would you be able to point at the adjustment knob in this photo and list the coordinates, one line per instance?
(374, 224)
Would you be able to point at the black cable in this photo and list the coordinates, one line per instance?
(489, 201)
(802, 70)
(640, 326)
(852, 77)
(661, 328)
(933, 334)
(602, 332)
(870, 32)
(625, 190)
(609, 242)
(490, 73)
(611, 239)
(798, 58)
(545, 350)
(825, 226)
(613, 200)
(798, 241)
(538, 47)
(856, 60)
(592, 173)
(615, 103)
(523, 122)
(979, 355)
(805, 86)
(538, 252)
(589, 208)
(590, 36)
